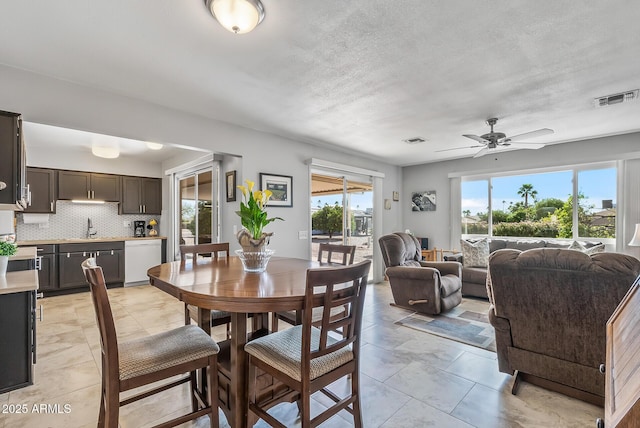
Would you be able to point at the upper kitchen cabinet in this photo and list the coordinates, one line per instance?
(42, 189)
(88, 186)
(13, 186)
(141, 195)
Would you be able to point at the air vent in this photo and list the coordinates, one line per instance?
(414, 140)
(622, 97)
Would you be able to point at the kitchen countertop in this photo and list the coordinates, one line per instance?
(84, 240)
(19, 281)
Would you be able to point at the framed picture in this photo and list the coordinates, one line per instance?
(230, 181)
(423, 201)
(281, 187)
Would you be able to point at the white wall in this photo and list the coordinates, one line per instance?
(54, 102)
(436, 225)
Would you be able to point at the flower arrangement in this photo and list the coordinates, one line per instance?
(253, 214)
(7, 248)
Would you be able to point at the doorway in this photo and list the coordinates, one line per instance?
(342, 213)
(198, 208)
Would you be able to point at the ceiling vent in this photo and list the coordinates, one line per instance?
(620, 98)
(414, 140)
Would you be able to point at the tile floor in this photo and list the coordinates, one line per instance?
(410, 378)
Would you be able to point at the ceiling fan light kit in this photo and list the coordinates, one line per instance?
(237, 16)
(495, 140)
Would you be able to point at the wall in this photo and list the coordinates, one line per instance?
(435, 176)
(70, 221)
(88, 109)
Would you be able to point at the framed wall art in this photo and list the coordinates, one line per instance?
(230, 182)
(281, 187)
(423, 201)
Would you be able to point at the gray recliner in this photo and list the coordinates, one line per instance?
(428, 287)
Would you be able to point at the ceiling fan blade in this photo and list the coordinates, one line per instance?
(477, 138)
(532, 146)
(481, 152)
(459, 148)
(532, 134)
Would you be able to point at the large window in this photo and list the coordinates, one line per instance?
(545, 204)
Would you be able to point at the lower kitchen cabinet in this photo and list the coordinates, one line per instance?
(109, 256)
(47, 268)
(17, 340)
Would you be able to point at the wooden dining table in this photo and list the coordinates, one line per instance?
(224, 285)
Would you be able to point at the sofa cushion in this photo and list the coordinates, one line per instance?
(557, 244)
(524, 245)
(475, 254)
(497, 244)
(474, 274)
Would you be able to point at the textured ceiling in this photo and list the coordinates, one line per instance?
(361, 74)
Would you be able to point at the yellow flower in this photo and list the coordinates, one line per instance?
(257, 195)
(243, 189)
(268, 194)
(249, 184)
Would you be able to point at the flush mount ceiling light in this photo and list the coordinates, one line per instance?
(154, 146)
(106, 152)
(237, 16)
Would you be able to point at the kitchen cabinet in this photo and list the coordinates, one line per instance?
(88, 186)
(109, 256)
(17, 338)
(13, 186)
(42, 187)
(141, 195)
(47, 267)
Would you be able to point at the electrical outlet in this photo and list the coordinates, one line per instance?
(126, 223)
(302, 234)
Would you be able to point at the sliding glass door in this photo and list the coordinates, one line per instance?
(342, 212)
(197, 203)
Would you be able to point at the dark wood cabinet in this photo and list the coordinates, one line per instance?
(88, 185)
(42, 188)
(12, 162)
(141, 195)
(17, 340)
(109, 255)
(47, 267)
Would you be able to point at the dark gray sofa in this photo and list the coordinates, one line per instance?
(474, 279)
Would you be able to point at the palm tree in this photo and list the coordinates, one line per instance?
(466, 213)
(526, 191)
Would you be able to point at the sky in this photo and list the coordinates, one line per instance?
(359, 201)
(596, 185)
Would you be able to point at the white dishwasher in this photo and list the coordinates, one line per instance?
(139, 256)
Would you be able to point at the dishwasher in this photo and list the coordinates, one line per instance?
(139, 256)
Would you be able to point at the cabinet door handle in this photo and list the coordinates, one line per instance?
(29, 194)
(144, 209)
(112, 252)
(88, 194)
(51, 206)
(140, 209)
(84, 254)
(41, 310)
(68, 255)
(93, 194)
(97, 253)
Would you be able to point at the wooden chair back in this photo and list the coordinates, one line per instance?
(213, 249)
(331, 288)
(104, 317)
(346, 251)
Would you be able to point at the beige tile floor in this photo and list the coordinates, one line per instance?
(410, 378)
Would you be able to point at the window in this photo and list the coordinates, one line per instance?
(545, 204)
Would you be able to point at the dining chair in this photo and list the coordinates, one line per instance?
(325, 255)
(307, 358)
(214, 249)
(131, 364)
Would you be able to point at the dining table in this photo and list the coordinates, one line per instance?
(205, 284)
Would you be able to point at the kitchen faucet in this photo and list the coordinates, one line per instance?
(90, 234)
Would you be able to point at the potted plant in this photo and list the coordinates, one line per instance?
(6, 249)
(252, 238)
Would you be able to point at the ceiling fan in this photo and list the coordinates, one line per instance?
(494, 140)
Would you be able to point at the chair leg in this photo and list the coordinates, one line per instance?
(213, 391)
(355, 390)
(274, 322)
(306, 410)
(101, 415)
(193, 381)
(112, 406)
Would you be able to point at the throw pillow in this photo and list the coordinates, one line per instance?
(475, 254)
(575, 245)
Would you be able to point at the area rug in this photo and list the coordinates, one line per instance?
(467, 323)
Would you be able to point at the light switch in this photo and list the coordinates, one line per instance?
(302, 234)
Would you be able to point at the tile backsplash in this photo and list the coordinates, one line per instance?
(70, 221)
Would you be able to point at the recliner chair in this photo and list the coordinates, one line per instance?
(428, 287)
